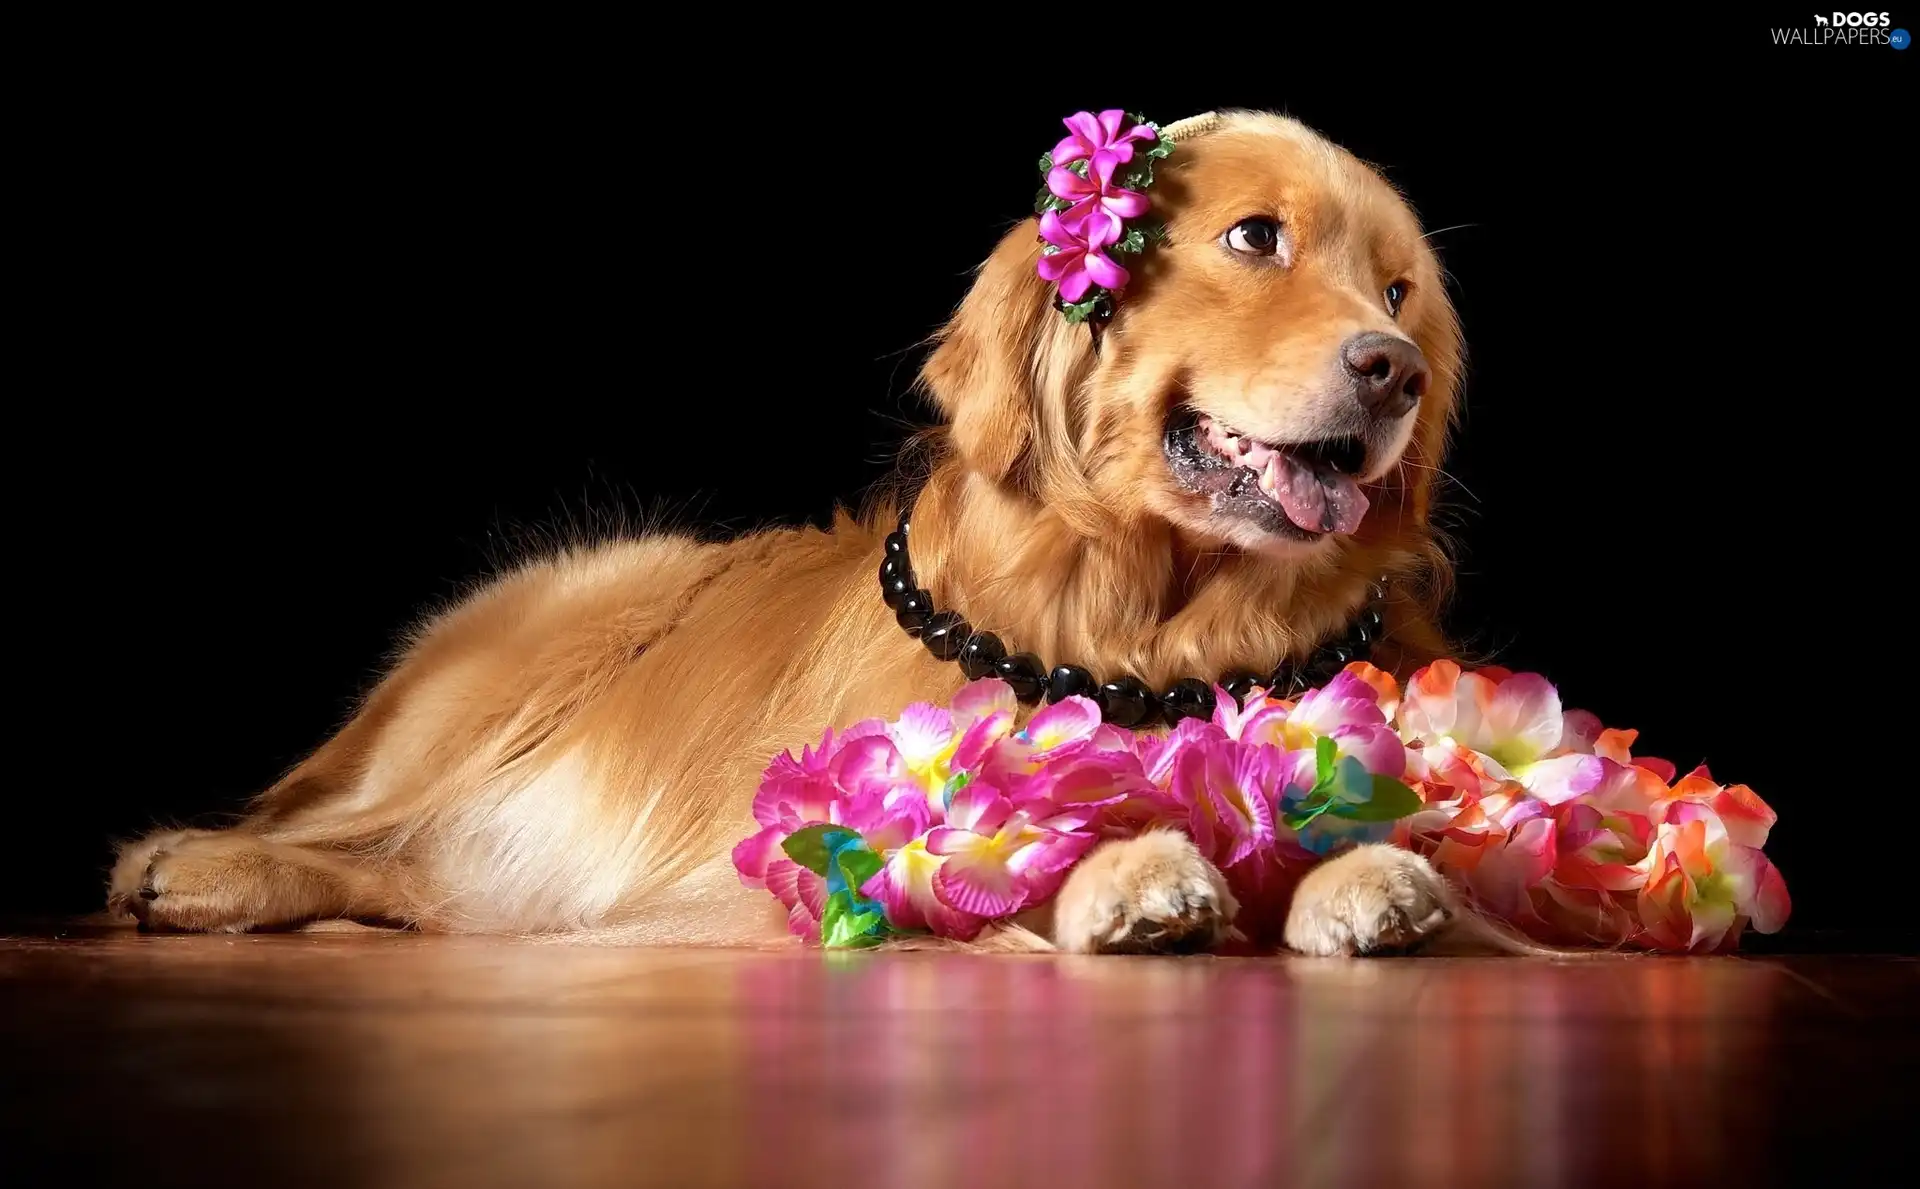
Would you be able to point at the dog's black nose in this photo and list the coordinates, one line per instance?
(1389, 373)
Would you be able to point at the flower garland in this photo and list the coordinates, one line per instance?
(1095, 183)
(946, 819)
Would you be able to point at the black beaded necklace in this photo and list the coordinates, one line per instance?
(1124, 701)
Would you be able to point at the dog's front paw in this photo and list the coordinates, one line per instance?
(128, 887)
(1155, 894)
(1371, 899)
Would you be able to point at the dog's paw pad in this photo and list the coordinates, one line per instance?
(1375, 899)
(1155, 894)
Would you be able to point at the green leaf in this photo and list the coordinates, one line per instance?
(1390, 802)
(858, 864)
(1079, 311)
(810, 847)
(1139, 174)
(1159, 150)
(1134, 241)
(1299, 819)
(1046, 164)
(1325, 752)
(844, 926)
(960, 780)
(1079, 167)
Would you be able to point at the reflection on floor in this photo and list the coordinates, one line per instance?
(402, 1060)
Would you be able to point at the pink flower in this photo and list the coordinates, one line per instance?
(1346, 710)
(799, 790)
(930, 744)
(1504, 879)
(1063, 727)
(1079, 263)
(1066, 731)
(1097, 202)
(1603, 840)
(1512, 722)
(1747, 819)
(1230, 790)
(1233, 719)
(802, 892)
(1092, 137)
(904, 887)
(1073, 795)
(1702, 887)
(1601, 851)
(1158, 754)
(997, 859)
(844, 781)
(1345, 702)
(1386, 691)
(793, 793)
(1584, 734)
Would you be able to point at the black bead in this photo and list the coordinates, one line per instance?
(1371, 620)
(895, 593)
(945, 634)
(896, 544)
(1377, 591)
(914, 611)
(1190, 697)
(1240, 683)
(1069, 681)
(980, 654)
(1023, 672)
(1127, 702)
(1326, 664)
(1285, 681)
(896, 581)
(902, 530)
(1359, 642)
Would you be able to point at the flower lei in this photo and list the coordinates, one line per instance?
(1093, 204)
(946, 819)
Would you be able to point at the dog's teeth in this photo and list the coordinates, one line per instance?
(1270, 477)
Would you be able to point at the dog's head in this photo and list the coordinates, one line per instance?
(1279, 376)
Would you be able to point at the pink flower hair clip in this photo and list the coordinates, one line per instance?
(1094, 207)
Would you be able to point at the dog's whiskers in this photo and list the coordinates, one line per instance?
(1443, 473)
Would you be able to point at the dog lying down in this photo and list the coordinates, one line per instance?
(1204, 482)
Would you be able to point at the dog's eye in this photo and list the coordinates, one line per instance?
(1254, 237)
(1396, 293)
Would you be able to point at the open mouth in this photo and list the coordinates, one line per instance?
(1299, 489)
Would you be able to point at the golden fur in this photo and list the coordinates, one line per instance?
(574, 748)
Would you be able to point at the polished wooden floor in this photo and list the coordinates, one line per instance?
(399, 1060)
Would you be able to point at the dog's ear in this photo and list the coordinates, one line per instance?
(1004, 358)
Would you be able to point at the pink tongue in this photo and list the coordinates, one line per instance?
(1318, 501)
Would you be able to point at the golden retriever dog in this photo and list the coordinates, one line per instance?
(573, 749)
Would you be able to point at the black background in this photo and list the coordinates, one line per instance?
(327, 338)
